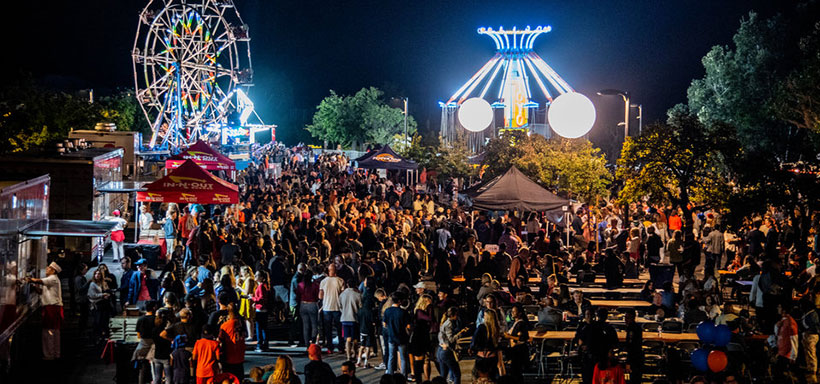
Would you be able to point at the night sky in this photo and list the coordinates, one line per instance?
(422, 49)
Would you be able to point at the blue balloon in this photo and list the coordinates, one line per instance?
(700, 359)
(706, 332)
(722, 335)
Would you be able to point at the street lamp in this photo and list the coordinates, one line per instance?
(405, 122)
(640, 117)
(624, 95)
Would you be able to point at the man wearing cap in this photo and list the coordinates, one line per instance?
(51, 300)
(138, 286)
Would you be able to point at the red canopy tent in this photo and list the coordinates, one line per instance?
(204, 156)
(190, 184)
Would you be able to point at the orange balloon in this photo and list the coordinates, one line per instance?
(717, 361)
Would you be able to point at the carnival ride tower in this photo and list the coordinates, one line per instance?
(507, 82)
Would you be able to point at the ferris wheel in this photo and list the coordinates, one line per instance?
(191, 58)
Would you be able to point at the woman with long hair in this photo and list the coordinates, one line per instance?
(247, 288)
(208, 297)
(98, 297)
(283, 372)
(486, 345)
(447, 342)
(261, 308)
(308, 293)
(519, 335)
(421, 346)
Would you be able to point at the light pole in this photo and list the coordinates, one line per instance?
(405, 122)
(640, 116)
(625, 96)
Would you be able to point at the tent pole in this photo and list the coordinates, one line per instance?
(136, 219)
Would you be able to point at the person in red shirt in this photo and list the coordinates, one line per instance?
(608, 371)
(232, 337)
(206, 356)
(787, 343)
(675, 222)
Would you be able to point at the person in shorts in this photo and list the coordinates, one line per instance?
(351, 302)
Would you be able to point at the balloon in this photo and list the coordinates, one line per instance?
(706, 332)
(700, 359)
(722, 335)
(717, 361)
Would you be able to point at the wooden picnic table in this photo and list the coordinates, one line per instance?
(588, 290)
(620, 303)
(666, 337)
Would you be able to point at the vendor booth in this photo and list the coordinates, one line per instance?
(203, 155)
(189, 184)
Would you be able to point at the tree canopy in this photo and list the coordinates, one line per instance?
(358, 119)
(32, 116)
(677, 162)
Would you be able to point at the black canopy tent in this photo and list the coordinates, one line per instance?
(513, 191)
(385, 158)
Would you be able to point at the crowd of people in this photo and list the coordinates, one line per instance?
(343, 261)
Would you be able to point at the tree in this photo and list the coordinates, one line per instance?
(358, 119)
(798, 97)
(678, 162)
(573, 166)
(31, 116)
(123, 109)
(763, 91)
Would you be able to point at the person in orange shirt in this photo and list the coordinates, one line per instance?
(206, 357)
(609, 371)
(232, 336)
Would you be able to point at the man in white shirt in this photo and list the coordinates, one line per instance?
(51, 301)
(329, 290)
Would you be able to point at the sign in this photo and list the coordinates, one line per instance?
(386, 158)
(492, 248)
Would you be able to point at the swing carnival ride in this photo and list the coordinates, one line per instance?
(192, 70)
(517, 67)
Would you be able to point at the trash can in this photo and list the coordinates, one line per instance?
(661, 273)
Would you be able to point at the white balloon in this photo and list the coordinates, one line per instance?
(571, 115)
(475, 114)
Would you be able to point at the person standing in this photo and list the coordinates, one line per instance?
(117, 235)
(714, 245)
(329, 290)
(138, 292)
(447, 341)
(206, 357)
(170, 230)
(98, 297)
(51, 301)
(232, 339)
(81, 296)
(634, 347)
(810, 324)
(308, 292)
(261, 300)
(396, 324)
(350, 301)
(787, 345)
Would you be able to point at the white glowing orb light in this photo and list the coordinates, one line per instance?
(571, 115)
(475, 114)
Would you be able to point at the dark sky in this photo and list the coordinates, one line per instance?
(422, 49)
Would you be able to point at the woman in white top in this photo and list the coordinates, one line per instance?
(100, 306)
